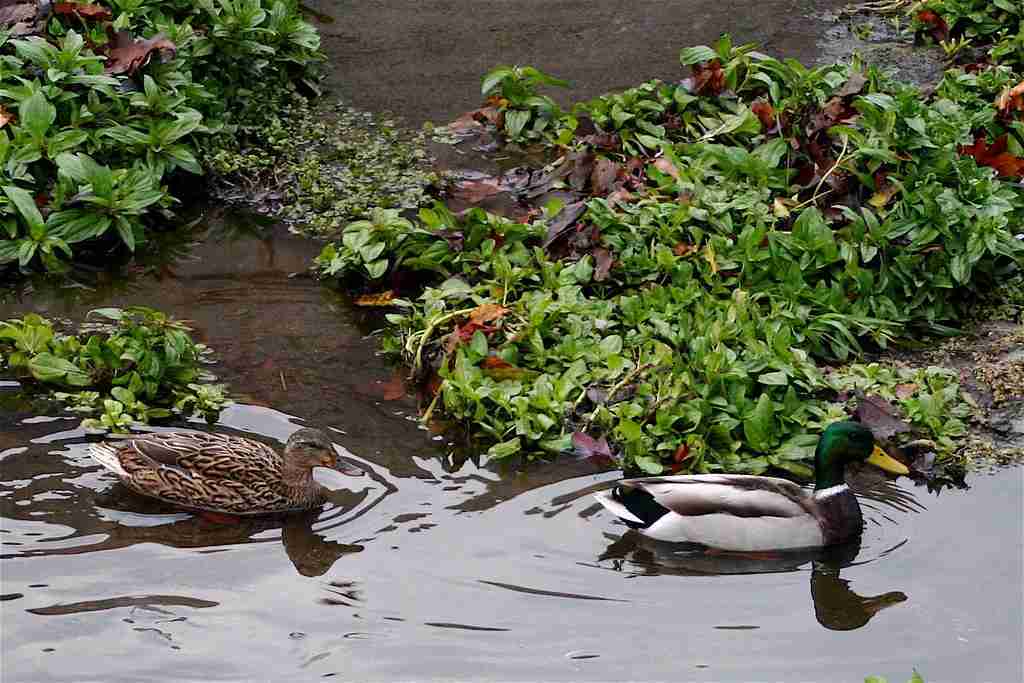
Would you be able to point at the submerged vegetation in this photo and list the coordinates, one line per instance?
(136, 366)
(101, 108)
(684, 284)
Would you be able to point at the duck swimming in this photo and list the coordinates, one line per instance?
(751, 513)
(221, 473)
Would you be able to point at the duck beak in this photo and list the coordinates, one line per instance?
(884, 461)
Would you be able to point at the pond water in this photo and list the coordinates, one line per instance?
(431, 569)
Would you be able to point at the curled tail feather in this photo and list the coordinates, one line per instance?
(106, 455)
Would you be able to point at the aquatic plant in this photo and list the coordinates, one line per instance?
(101, 108)
(716, 245)
(137, 366)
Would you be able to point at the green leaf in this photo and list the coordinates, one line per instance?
(26, 206)
(515, 121)
(697, 54)
(777, 378)
(504, 449)
(493, 78)
(760, 426)
(376, 269)
(37, 114)
(47, 367)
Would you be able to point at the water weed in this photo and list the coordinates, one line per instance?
(137, 365)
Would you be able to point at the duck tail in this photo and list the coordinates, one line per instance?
(106, 455)
(633, 505)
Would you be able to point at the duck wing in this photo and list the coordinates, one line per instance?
(198, 455)
(731, 512)
(733, 494)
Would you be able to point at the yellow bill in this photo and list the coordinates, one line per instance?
(883, 461)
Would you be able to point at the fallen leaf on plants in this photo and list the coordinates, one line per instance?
(683, 249)
(667, 167)
(126, 56)
(881, 417)
(996, 156)
(765, 113)
(379, 299)
(885, 192)
(485, 313)
(588, 447)
(938, 29)
(602, 263)
(85, 11)
(6, 116)
(853, 86)
(903, 391)
(603, 177)
(708, 78)
(564, 221)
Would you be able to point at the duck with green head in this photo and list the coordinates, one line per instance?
(749, 513)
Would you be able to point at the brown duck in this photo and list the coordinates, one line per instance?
(222, 473)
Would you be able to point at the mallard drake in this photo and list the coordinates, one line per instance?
(221, 473)
(749, 513)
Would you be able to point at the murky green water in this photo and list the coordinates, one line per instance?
(427, 571)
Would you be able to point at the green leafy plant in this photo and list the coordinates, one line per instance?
(138, 366)
(86, 152)
(527, 115)
(732, 238)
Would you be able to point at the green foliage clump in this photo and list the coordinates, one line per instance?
(104, 113)
(139, 366)
(995, 26)
(757, 222)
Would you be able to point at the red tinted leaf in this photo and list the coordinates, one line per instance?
(683, 249)
(682, 453)
(589, 447)
(996, 157)
(126, 56)
(6, 116)
(765, 113)
(937, 27)
(708, 78)
(394, 388)
(85, 11)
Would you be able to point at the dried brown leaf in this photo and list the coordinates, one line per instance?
(126, 56)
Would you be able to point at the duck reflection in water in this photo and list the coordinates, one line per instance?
(141, 520)
(836, 606)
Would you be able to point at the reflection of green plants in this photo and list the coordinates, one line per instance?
(139, 366)
(528, 115)
(916, 678)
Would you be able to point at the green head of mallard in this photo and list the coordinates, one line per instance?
(846, 442)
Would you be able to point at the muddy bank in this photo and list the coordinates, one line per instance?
(423, 59)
